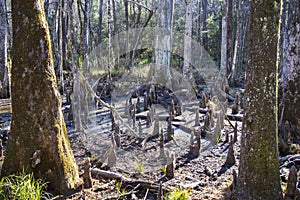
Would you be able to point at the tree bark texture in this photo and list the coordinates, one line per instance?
(4, 70)
(258, 169)
(164, 41)
(290, 80)
(39, 140)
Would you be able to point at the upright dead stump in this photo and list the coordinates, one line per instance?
(202, 103)
(235, 132)
(138, 106)
(207, 123)
(235, 106)
(170, 130)
(117, 135)
(230, 160)
(140, 130)
(156, 125)
(1, 149)
(170, 165)
(148, 120)
(226, 136)
(146, 102)
(197, 117)
(195, 147)
(291, 183)
(87, 177)
(160, 194)
(112, 158)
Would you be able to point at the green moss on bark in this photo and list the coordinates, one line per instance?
(258, 171)
(38, 141)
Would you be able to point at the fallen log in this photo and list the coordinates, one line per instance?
(102, 174)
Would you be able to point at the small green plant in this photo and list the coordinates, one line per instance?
(22, 186)
(120, 191)
(219, 139)
(139, 166)
(164, 169)
(178, 194)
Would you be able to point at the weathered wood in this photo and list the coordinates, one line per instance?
(87, 178)
(102, 174)
(291, 183)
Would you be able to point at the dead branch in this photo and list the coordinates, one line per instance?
(102, 174)
(112, 108)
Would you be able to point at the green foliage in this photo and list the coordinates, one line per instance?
(219, 139)
(139, 166)
(22, 186)
(164, 169)
(178, 194)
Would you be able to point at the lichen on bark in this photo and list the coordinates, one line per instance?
(37, 120)
(258, 170)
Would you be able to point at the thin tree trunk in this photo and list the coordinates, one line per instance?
(4, 69)
(127, 33)
(229, 45)
(224, 39)
(59, 72)
(187, 73)
(115, 33)
(204, 24)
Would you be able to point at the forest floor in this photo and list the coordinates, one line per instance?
(203, 177)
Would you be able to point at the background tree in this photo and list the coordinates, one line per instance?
(164, 41)
(188, 40)
(258, 170)
(290, 78)
(39, 140)
(4, 70)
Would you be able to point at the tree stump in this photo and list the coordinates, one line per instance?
(87, 177)
(170, 165)
(230, 160)
(235, 133)
(291, 183)
(197, 117)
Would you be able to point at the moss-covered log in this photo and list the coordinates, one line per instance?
(38, 142)
(258, 170)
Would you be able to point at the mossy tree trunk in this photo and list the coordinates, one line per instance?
(39, 141)
(258, 170)
(290, 80)
(4, 70)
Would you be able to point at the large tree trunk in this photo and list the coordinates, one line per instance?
(290, 80)
(258, 170)
(4, 70)
(39, 140)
